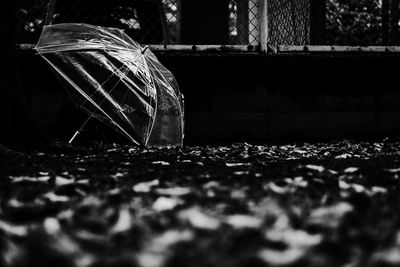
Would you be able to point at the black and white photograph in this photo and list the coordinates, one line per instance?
(200, 133)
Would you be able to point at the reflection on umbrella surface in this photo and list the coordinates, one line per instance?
(114, 79)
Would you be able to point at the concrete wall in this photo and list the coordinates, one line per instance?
(253, 98)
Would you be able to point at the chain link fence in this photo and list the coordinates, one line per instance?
(191, 22)
(224, 22)
(289, 22)
(221, 22)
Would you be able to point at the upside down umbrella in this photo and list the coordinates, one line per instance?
(117, 81)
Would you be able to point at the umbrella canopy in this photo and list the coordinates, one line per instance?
(114, 79)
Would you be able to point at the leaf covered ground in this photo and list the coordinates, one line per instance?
(322, 204)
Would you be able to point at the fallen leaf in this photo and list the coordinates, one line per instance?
(351, 170)
(174, 191)
(124, 221)
(162, 163)
(199, 219)
(20, 179)
(145, 187)
(52, 226)
(13, 230)
(315, 168)
(156, 253)
(63, 181)
(237, 164)
(344, 186)
(331, 216)
(244, 221)
(343, 156)
(164, 203)
(281, 258)
(211, 184)
(276, 189)
(240, 173)
(379, 190)
(238, 194)
(299, 151)
(294, 238)
(393, 170)
(119, 175)
(356, 187)
(56, 198)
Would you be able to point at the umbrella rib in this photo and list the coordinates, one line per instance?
(77, 47)
(91, 95)
(121, 72)
(136, 93)
(101, 85)
(107, 96)
(156, 107)
(91, 101)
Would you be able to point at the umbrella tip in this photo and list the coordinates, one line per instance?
(145, 49)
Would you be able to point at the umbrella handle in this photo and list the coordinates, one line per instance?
(79, 130)
(74, 136)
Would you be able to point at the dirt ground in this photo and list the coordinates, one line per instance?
(322, 204)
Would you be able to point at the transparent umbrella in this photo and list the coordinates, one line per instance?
(117, 81)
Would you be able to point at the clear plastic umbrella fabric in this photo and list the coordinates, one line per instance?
(117, 81)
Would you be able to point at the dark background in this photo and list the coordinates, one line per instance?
(245, 96)
(254, 98)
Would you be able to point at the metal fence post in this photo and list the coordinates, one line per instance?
(263, 18)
